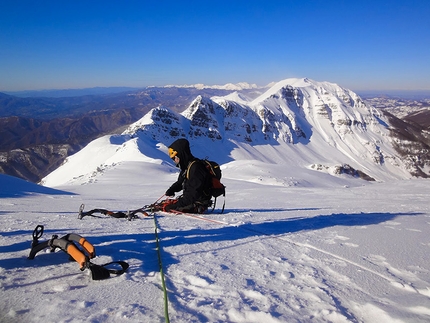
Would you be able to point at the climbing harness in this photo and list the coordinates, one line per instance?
(82, 254)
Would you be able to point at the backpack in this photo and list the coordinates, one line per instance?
(214, 169)
(217, 188)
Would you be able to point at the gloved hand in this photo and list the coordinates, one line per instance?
(170, 192)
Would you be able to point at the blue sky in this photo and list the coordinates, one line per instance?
(361, 45)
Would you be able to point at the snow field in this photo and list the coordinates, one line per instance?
(343, 251)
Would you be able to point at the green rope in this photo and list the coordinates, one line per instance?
(163, 283)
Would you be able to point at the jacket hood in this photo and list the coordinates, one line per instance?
(181, 148)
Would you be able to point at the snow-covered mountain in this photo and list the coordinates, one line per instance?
(296, 124)
(229, 86)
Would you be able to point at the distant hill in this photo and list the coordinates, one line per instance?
(62, 93)
(47, 108)
(402, 94)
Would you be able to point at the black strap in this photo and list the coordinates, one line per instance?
(123, 264)
(214, 205)
(99, 272)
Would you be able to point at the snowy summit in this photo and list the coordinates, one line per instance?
(323, 221)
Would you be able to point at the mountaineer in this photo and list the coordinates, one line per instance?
(194, 180)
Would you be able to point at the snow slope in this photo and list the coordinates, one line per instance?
(343, 251)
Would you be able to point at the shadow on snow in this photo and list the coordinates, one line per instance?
(142, 248)
(276, 227)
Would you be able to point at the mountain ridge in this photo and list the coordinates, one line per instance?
(297, 122)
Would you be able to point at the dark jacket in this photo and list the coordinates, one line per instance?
(194, 182)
